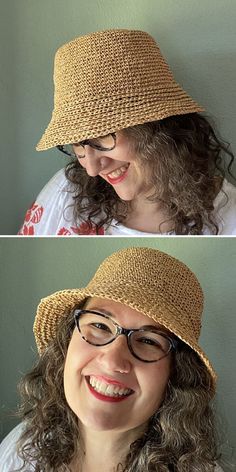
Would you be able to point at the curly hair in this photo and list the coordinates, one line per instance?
(186, 164)
(180, 435)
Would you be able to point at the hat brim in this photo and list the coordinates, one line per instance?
(92, 119)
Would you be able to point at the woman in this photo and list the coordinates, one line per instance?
(144, 161)
(121, 383)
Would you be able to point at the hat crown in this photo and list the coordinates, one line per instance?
(109, 62)
(154, 283)
(110, 80)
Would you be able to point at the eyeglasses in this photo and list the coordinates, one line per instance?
(146, 344)
(103, 143)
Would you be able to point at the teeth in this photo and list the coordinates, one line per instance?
(108, 389)
(118, 172)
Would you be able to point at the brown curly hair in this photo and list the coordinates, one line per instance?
(180, 436)
(186, 162)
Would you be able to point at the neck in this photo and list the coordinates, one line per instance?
(104, 450)
(147, 216)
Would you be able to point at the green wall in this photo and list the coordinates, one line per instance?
(197, 36)
(33, 268)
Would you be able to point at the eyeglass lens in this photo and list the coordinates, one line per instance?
(146, 344)
(103, 143)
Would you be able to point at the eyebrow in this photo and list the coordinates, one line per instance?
(111, 315)
(101, 310)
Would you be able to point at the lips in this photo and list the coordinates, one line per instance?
(111, 391)
(117, 175)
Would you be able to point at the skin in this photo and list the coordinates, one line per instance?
(135, 188)
(112, 427)
(103, 163)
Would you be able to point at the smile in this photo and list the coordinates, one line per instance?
(107, 391)
(117, 175)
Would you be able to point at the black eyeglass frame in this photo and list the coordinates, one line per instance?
(88, 142)
(126, 332)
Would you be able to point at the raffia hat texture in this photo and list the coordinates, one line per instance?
(108, 81)
(147, 280)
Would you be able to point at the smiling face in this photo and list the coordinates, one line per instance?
(107, 387)
(119, 167)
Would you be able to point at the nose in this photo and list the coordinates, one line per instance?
(116, 357)
(94, 162)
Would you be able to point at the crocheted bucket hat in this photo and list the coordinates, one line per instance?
(108, 81)
(147, 280)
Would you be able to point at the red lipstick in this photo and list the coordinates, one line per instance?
(111, 381)
(117, 180)
(106, 398)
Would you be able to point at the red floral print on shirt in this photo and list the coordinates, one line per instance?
(27, 230)
(64, 232)
(87, 228)
(83, 229)
(33, 215)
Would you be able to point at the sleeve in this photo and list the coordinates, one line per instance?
(52, 211)
(9, 459)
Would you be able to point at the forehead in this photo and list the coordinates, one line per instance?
(123, 314)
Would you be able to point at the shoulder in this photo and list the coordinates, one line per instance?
(52, 209)
(53, 212)
(58, 182)
(225, 209)
(9, 459)
(58, 192)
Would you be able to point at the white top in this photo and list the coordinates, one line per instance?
(52, 213)
(9, 459)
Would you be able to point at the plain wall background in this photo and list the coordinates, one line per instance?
(33, 268)
(198, 37)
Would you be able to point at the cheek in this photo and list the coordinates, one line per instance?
(124, 152)
(144, 170)
(141, 176)
(82, 163)
(76, 358)
(71, 368)
(155, 386)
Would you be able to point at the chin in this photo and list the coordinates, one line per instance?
(125, 196)
(101, 421)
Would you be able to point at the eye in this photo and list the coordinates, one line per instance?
(149, 341)
(101, 326)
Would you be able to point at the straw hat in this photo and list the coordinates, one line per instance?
(108, 81)
(147, 280)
